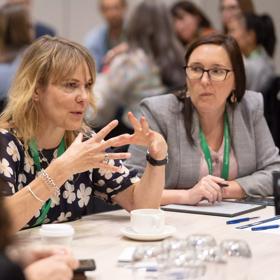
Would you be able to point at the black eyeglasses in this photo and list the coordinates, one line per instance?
(214, 74)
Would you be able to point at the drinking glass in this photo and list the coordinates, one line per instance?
(238, 255)
(201, 240)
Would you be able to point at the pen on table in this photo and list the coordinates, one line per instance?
(236, 221)
(223, 185)
(265, 227)
(259, 222)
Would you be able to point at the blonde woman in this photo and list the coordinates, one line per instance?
(52, 164)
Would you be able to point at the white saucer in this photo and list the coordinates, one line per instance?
(130, 233)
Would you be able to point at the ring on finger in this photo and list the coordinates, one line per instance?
(106, 159)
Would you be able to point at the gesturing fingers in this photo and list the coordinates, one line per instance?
(134, 122)
(145, 125)
(117, 141)
(98, 137)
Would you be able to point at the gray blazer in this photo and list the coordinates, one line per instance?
(256, 154)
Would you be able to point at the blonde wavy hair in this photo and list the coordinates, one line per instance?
(47, 59)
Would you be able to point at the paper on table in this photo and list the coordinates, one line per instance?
(223, 208)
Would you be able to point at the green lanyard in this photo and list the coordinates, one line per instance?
(35, 155)
(207, 154)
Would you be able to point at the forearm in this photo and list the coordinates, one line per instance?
(176, 196)
(22, 206)
(148, 191)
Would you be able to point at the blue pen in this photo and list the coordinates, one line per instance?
(265, 227)
(236, 221)
(260, 222)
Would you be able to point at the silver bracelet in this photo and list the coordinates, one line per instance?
(34, 195)
(49, 181)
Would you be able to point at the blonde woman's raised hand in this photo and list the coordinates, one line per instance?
(91, 153)
(85, 155)
(143, 136)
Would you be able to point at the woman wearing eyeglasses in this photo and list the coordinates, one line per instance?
(216, 133)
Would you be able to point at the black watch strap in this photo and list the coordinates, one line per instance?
(155, 162)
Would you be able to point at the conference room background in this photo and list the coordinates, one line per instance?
(74, 18)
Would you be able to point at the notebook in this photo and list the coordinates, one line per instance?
(223, 208)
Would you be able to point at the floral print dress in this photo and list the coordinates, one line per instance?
(17, 171)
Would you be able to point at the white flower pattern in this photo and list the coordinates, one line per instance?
(64, 216)
(21, 180)
(69, 194)
(13, 151)
(29, 165)
(5, 168)
(84, 195)
(18, 170)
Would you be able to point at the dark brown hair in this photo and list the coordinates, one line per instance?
(246, 6)
(264, 29)
(192, 9)
(15, 28)
(235, 56)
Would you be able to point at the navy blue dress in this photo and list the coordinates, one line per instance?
(17, 170)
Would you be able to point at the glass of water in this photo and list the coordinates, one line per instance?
(238, 255)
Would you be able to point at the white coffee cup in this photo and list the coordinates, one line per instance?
(59, 234)
(147, 221)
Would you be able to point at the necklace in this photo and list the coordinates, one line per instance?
(42, 157)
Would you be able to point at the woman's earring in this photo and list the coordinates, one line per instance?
(188, 94)
(233, 97)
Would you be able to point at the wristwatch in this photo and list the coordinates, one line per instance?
(155, 162)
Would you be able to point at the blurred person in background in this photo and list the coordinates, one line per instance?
(190, 22)
(16, 33)
(31, 263)
(150, 64)
(103, 38)
(256, 38)
(233, 8)
(39, 27)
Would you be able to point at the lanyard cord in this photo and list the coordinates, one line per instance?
(207, 154)
(35, 155)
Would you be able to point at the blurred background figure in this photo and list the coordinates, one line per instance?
(256, 37)
(103, 38)
(151, 64)
(233, 8)
(16, 33)
(190, 22)
(39, 27)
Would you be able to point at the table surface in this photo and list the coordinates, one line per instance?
(99, 237)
